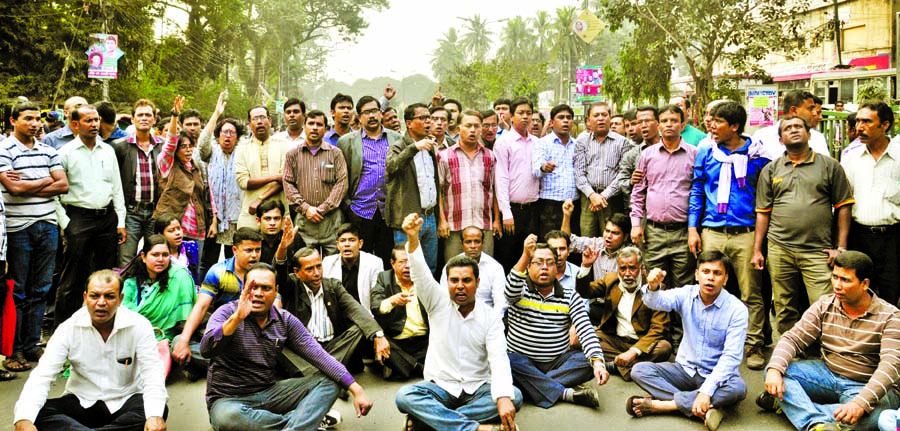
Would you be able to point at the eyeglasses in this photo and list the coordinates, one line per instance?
(491, 126)
(185, 147)
(423, 118)
(372, 111)
(229, 133)
(259, 118)
(547, 263)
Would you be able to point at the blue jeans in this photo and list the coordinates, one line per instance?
(32, 256)
(292, 404)
(545, 382)
(437, 408)
(812, 393)
(429, 242)
(138, 224)
(668, 381)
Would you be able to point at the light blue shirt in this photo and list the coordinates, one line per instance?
(558, 185)
(714, 334)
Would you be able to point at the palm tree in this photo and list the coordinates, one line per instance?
(517, 40)
(543, 31)
(476, 42)
(447, 56)
(568, 49)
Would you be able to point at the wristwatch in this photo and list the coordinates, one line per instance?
(379, 334)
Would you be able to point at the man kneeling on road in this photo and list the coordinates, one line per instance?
(467, 374)
(117, 380)
(857, 376)
(704, 377)
(629, 330)
(243, 339)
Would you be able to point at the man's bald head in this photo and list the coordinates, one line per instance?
(72, 104)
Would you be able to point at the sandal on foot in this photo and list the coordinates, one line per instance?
(16, 363)
(35, 355)
(6, 376)
(645, 407)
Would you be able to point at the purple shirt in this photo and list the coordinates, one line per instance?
(244, 362)
(371, 192)
(663, 195)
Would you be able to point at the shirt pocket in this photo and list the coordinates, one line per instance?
(272, 348)
(328, 173)
(892, 191)
(716, 336)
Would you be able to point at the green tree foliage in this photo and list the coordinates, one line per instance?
(732, 34)
(476, 85)
(476, 39)
(447, 56)
(518, 40)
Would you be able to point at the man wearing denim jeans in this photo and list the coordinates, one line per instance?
(468, 381)
(857, 377)
(30, 175)
(243, 340)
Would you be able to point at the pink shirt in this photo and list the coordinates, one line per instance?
(513, 172)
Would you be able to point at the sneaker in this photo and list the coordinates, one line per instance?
(755, 358)
(714, 418)
(829, 426)
(331, 419)
(586, 397)
(768, 402)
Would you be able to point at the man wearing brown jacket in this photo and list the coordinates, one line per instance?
(629, 331)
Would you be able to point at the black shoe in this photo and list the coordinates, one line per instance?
(586, 397)
(344, 395)
(768, 402)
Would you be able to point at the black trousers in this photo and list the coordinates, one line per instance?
(508, 250)
(881, 245)
(91, 244)
(66, 413)
(377, 237)
(406, 354)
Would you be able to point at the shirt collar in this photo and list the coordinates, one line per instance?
(132, 138)
(682, 146)
(121, 319)
(365, 134)
(718, 303)
(325, 145)
(22, 146)
(316, 295)
(811, 158)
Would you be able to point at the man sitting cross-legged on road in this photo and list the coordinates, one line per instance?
(629, 330)
(467, 374)
(243, 339)
(857, 376)
(704, 377)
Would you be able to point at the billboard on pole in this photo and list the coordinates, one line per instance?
(103, 56)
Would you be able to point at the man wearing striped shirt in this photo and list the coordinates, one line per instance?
(31, 175)
(540, 314)
(553, 161)
(858, 374)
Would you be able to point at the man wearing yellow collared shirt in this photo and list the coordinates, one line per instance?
(874, 173)
(94, 222)
(258, 165)
(404, 321)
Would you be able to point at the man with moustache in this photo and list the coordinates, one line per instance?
(94, 208)
(342, 115)
(258, 166)
(489, 128)
(874, 173)
(272, 219)
(800, 103)
(466, 176)
(440, 118)
(629, 331)
(553, 162)
(659, 201)
(721, 211)
(137, 154)
(295, 119)
(411, 178)
(454, 108)
(117, 380)
(799, 197)
(540, 314)
(597, 175)
(315, 181)
(517, 189)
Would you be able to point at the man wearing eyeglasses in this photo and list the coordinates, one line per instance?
(489, 128)
(258, 166)
(365, 152)
(540, 314)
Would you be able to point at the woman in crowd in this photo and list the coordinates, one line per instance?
(159, 289)
(185, 253)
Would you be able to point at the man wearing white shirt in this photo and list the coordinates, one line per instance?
(492, 276)
(467, 382)
(294, 118)
(117, 379)
(802, 104)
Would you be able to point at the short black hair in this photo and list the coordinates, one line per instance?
(839, 102)
(600, 104)
(189, 113)
(817, 100)
(246, 234)
(295, 101)
(675, 109)
(519, 101)
(560, 108)
(857, 261)
(882, 109)
(107, 112)
(617, 116)
(545, 246)
(163, 221)
(630, 115)
(453, 101)
(645, 108)
(21, 107)
(556, 234)
(462, 261)
(269, 205)
(733, 113)
(260, 266)
(302, 253)
(502, 101)
(363, 101)
(339, 98)
(410, 110)
(541, 116)
(348, 228)
(795, 99)
(851, 120)
(75, 115)
(437, 108)
(389, 109)
(487, 113)
(400, 246)
(621, 221)
(715, 256)
(315, 113)
(257, 107)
